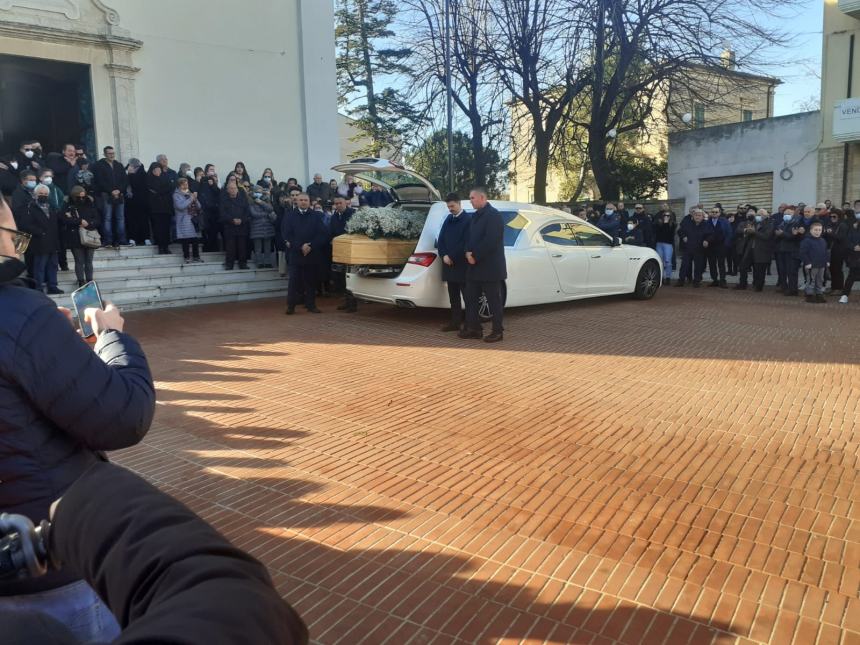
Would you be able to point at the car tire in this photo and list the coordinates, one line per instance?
(648, 281)
(484, 309)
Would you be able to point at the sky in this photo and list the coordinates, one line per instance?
(801, 79)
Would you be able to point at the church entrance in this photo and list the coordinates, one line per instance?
(50, 101)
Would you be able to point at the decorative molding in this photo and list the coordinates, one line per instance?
(111, 15)
(13, 29)
(69, 8)
(124, 71)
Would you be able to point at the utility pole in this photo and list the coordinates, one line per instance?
(450, 95)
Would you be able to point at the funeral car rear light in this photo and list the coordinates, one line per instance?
(422, 259)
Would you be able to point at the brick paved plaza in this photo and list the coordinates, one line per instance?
(683, 470)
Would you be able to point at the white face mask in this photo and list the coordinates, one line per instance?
(47, 180)
(29, 154)
(14, 165)
(630, 226)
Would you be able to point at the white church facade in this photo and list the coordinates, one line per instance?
(199, 81)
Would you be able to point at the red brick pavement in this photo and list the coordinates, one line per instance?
(683, 470)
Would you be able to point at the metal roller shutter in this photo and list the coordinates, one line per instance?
(740, 189)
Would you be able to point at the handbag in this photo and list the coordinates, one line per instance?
(90, 239)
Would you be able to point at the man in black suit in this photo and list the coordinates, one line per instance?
(485, 254)
(305, 235)
(452, 249)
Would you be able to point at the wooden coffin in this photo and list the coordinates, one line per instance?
(360, 249)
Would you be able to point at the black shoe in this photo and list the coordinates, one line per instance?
(450, 327)
(64, 267)
(740, 287)
(715, 284)
(466, 334)
(820, 298)
(228, 267)
(679, 283)
(758, 289)
(351, 310)
(696, 285)
(343, 307)
(314, 310)
(495, 337)
(792, 293)
(723, 284)
(243, 266)
(54, 291)
(81, 283)
(291, 311)
(811, 299)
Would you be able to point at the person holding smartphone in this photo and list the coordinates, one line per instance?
(57, 416)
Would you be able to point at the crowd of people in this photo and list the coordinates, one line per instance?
(814, 244)
(67, 204)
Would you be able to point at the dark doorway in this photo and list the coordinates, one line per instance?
(50, 101)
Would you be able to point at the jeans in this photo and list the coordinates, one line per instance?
(814, 281)
(45, 270)
(83, 264)
(666, 251)
(76, 606)
(263, 251)
(114, 214)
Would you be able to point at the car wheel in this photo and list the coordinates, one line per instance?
(484, 307)
(647, 282)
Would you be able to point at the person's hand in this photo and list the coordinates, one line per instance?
(237, 222)
(857, 248)
(779, 231)
(3, 166)
(306, 248)
(808, 267)
(447, 260)
(35, 165)
(470, 258)
(685, 240)
(68, 314)
(102, 319)
(705, 243)
(115, 193)
(194, 196)
(84, 223)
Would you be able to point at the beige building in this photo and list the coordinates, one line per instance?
(839, 151)
(196, 80)
(705, 97)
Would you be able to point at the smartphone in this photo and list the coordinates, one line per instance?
(84, 298)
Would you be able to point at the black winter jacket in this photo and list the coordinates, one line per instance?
(110, 176)
(486, 241)
(60, 403)
(692, 236)
(44, 228)
(70, 221)
(233, 208)
(189, 585)
(453, 237)
(160, 191)
(852, 241)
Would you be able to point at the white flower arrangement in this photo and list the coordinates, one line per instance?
(386, 222)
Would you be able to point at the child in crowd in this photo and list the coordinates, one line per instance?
(814, 257)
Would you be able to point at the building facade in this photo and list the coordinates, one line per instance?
(197, 81)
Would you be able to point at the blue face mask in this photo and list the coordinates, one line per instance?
(758, 218)
(787, 217)
(609, 213)
(258, 195)
(857, 216)
(30, 185)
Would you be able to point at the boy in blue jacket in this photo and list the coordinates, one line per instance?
(814, 256)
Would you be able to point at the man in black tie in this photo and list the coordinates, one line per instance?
(305, 235)
(337, 226)
(452, 249)
(485, 254)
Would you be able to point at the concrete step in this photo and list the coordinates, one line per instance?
(116, 280)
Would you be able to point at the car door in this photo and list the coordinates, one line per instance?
(569, 257)
(607, 264)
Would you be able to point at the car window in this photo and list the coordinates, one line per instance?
(590, 236)
(515, 223)
(560, 234)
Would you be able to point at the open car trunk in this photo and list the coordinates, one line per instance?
(409, 190)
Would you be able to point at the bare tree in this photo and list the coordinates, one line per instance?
(475, 94)
(644, 49)
(536, 51)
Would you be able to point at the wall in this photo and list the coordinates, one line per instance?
(767, 145)
(198, 81)
(838, 29)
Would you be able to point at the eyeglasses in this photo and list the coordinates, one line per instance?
(20, 239)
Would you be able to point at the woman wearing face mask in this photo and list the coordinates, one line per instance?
(160, 206)
(57, 199)
(763, 245)
(80, 213)
(851, 247)
(262, 227)
(209, 197)
(43, 224)
(187, 213)
(267, 181)
(137, 204)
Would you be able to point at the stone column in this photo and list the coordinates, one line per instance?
(124, 105)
